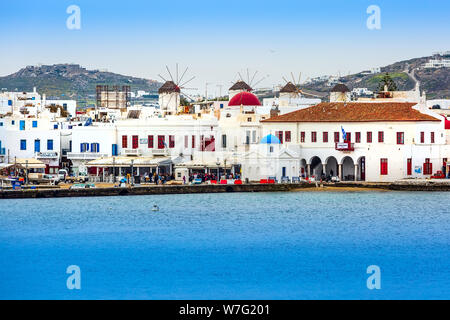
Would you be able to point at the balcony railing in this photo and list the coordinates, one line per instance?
(345, 146)
(160, 152)
(132, 152)
(85, 155)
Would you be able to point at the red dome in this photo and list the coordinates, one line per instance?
(245, 99)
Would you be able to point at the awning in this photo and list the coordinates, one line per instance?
(195, 164)
(28, 163)
(128, 161)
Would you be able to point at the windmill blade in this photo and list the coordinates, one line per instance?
(185, 94)
(299, 77)
(248, 76)
(181, 79)
(187, 82)
(260, 81)
(253, 78)
(162, 77)
(311, 94)
(293, 78)
(240, 76)
(170, 73)
(285, 80)
(176, 70)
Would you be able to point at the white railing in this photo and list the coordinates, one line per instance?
(160, 152)
(132, 152)
(85, 155)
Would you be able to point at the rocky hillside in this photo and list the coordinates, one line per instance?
(436, 82)
(70, 81)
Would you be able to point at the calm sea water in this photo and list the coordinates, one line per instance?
(305, 245)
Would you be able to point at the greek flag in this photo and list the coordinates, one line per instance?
(344, 134)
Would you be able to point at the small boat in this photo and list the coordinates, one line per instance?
(155, 208)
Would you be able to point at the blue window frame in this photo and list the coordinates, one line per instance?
(95, 147)
(23, 144)
(50, 144)
(34, 124)
(9, 102)
(84, 147)
(13, 122)
(22, 124)
(37, 145)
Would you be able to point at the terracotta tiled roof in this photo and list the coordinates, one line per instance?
(241, 85)
(355, 112)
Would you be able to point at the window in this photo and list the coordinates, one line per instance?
(221, 106)
(186, 142)
(135, 142)
(336, 137)
(95, 147)
(1, 124)
(357, 137)
(49, 144)
(384, 166)
(287, 136)
(432, 137)
(400, 138)
(37, 145)
(193, 142)
(369, 136)
(22, 124)
(23, 144)
(427, 167)
(313, 136)
(279, 135)
(150, 142)
(422, 137)
(380, 136)
(247, 137)
(13, 122)
(34, 124)
(325, 137)
(302, 136)
(249, 119)
(224, 141)
(254, 136)
(171, 141)
(348, 137)
(161, 142)
(124, 142)
(84, 147)
(409, 166)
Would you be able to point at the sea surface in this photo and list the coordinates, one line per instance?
(295, 245)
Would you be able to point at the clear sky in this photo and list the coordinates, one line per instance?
(216, 39)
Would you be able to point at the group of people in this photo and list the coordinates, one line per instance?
(211, 176)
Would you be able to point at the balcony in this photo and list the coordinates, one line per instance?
(345, 146)
(46, 155)
(132, 152)
(160, 152)
(85, 155)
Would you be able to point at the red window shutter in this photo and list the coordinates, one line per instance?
(336, 137)
(279, 135)
(171, 141)
(150, 142)
(380, 136)
(135, 142)
(422, 137)
(302, 136)
(348, 136)
(124, 142)
(193, 142)
(409, 167)
(369, 137)
(358, 137)
(400, 137)
(325, 137)
(432, 137)
(313, 136)
(161, 142)
(288, 136)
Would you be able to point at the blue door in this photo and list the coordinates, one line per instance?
(22, 124)
(283, 172)
(37, 145)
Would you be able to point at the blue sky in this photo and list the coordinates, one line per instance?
(216, 39)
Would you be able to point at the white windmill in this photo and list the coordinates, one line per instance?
(171, 91)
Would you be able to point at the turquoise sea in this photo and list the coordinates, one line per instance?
(296, 245)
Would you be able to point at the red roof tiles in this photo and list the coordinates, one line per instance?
(355, 112)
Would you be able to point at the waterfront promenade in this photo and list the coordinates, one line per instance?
(56, 192)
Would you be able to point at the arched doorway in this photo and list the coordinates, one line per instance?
(316, 167)
(303, 168)
(331, 167)
(348, 169)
